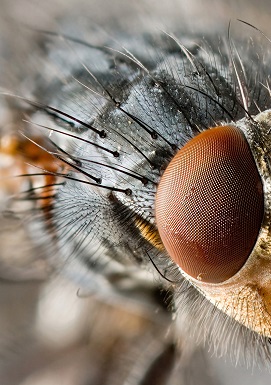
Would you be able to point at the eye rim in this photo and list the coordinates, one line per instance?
(261, 204)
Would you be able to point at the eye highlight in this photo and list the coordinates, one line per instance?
(210, 205)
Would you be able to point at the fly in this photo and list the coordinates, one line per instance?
(153, 170)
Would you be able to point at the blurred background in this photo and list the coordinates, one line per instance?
(50, 334)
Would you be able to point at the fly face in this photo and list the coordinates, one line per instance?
(162, 168)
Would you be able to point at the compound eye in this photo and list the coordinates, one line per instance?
(210, 205)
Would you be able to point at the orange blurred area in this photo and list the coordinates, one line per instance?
(20, 158)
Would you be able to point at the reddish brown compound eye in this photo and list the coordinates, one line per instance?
(210, 205)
